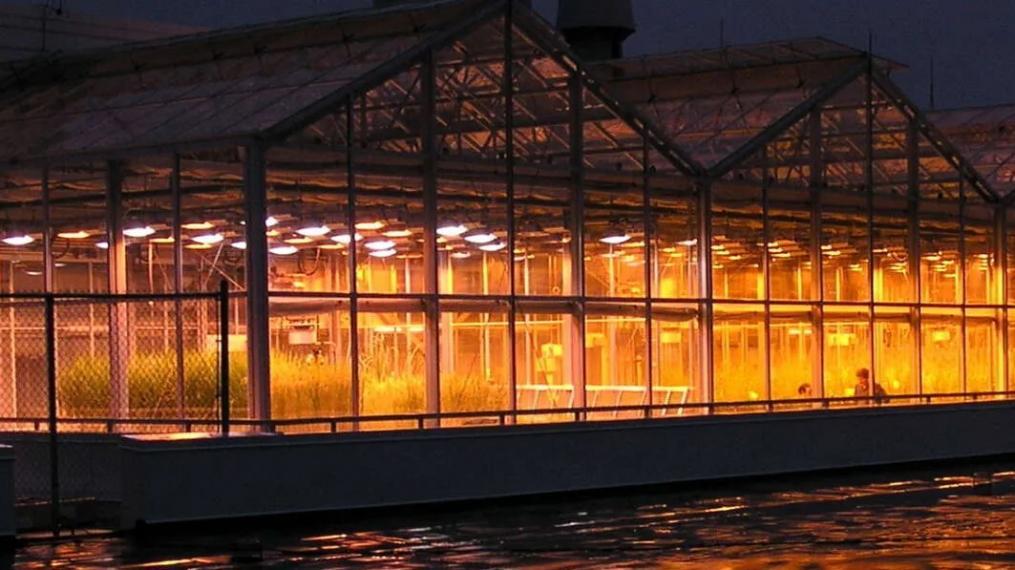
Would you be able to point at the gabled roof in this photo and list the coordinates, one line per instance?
(711, 102)
(265, 81)
(986, 136)
(213, 86)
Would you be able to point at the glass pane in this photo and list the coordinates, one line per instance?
(847, 349)
(895, 352)
(615, 367)
(310, 356)
(793, 354)
(676, 354)
(475, 353)
(545, 362)
(391, 363)
(739, 353)
(984, 355)
(941, 334)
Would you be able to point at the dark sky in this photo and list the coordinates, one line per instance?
(972, 41)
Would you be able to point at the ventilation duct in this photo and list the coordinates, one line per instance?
(596, 29)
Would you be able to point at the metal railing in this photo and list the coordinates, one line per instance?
(427, 421)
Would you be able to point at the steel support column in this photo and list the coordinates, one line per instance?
(120, 338)
(576, 332)
(428, 134)
(258, 328)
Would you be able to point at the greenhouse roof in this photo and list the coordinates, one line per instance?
(204, 87)
(986, 136)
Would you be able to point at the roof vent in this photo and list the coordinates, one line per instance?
(596, 29)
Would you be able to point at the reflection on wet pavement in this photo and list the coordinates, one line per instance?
(962, 518)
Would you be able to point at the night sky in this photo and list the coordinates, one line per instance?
(970, 40)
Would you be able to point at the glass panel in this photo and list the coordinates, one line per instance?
(941, 334)
(475, 354)
(542, 254)
(894, 279)
(391, 363)
(790, 264)
(308, 218)
(614, 244)
(847, 349)
(739, 353)
(984, 355)
(545, 362)
(675, 269)
(475, 261)
(310, 358)
(80, 243)
(213, 207)
(148, 226)
(895, 352)
(793, 354)
(980, 261)
(940, 267)
(676, 354)
(615, 368)
(845, 249)
(738, 245)
(21, 233)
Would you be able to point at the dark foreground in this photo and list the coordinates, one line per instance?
(956, 517)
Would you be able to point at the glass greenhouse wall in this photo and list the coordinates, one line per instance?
(476, 226)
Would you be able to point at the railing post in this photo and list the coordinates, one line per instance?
(224, 355)
(54, 455)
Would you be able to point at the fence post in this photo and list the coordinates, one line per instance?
(54, 454)
(224, 354)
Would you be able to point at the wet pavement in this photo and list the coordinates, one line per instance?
(961, 517)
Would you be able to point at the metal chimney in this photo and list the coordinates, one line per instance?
(389, 3)
(596, 29)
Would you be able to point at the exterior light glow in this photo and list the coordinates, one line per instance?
(380, 245)
(383, 253)
(492, 247)
(688, 243)
(480, 238)
(451, 230)
(240, 245)
(299, 240)
(402, 233)
(209, 239)
(102, 245)
(461, 255)
(74, 235)
(198, 246)
(270, 222)
(345, 239)
(18, 239)
(163, 240)
(284, 250)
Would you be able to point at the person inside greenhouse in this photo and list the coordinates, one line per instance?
(864, 387)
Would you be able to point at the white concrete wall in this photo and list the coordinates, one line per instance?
(7, 523)
(175, 481)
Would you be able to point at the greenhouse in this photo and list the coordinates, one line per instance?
(440, 209)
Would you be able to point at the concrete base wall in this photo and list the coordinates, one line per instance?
(167, 481)
(89, 465)
(7, 524)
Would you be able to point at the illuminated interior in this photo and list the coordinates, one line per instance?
(485, 228)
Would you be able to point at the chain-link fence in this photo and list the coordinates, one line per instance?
(76, 368)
